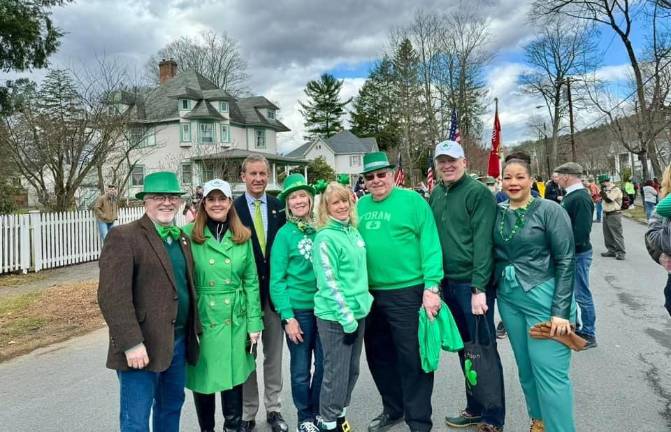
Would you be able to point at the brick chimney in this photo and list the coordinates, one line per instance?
(167, 69)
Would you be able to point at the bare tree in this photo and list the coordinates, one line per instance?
(619, 16)
(214, 55)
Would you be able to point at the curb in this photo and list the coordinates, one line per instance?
(640, 221)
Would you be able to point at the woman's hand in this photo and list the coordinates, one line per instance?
(254, 337)
(293, 330)
(559, 326)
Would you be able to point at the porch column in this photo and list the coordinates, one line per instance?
(274, 174)
(305, 172)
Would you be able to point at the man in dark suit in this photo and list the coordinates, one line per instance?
(147, 298)
(264, 215)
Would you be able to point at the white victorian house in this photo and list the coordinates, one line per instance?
(343, 152)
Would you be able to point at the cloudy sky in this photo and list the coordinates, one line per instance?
(288, 42)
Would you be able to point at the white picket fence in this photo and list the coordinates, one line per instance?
(37, 241)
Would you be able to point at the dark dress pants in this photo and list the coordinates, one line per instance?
(231, 402)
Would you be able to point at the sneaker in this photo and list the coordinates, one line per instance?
(307, 426)
(321, 426)
(537, 426)
(500, 331)
(619, 257)
(608, 254)
(464, 419)
(485, 427)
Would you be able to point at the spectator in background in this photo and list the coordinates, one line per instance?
(656, 185)
(490, 182)
(612, 223)
(595, 191)
(650, 195)
(105, 209)
(540, 185)
(630, 191)
(553, 191)
(190, 210)
(199, 193)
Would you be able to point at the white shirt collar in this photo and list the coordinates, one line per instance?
(574, 188)
(251, 199)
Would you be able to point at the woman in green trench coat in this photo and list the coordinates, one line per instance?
(228, 303)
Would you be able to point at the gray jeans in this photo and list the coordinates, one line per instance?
(341, 368)
(612, 232)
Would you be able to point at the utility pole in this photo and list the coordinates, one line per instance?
(570, 116)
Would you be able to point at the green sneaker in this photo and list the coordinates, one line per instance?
(465, 419)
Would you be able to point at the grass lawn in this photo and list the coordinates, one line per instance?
(637, 213)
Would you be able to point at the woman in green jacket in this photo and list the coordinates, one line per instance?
(228, 303)
(535, 265)
(342, 302)
(292, 290)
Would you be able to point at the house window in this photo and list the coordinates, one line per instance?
(206, 133)
(185, 132)
(225, 133)
(355, 161)
(142, 137)
(137, 176)
(186, 104)
(187, 173)
(271, 114)
(260, 138)
(207, 173)
(223, 106)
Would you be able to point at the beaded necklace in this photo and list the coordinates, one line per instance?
(520, 220)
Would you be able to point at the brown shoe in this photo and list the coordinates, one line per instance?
(537, 426)
(484, 427)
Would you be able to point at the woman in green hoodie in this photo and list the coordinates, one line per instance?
(342, 302)
(292, 290)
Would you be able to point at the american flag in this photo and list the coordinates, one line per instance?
(399, 178)
(454, 127)
(430, 182)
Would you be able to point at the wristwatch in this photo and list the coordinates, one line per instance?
(434, 289)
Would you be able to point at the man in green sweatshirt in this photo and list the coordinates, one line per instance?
(465, 211)
(404, 263)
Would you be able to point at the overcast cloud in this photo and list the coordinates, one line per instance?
(287, 43)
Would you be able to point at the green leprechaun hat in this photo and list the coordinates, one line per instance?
(162, 183)
(293, 183)
(375, 161)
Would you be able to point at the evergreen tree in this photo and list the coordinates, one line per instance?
(323, 110)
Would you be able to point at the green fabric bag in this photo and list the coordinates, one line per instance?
(434, 335)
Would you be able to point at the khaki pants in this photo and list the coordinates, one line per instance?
(612, 232)
(272, 341)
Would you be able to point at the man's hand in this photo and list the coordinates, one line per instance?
(431, 303)
(137, 357)
(293, 330)
(479, 304)
(665, 262)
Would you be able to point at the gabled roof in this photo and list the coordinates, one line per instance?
(160, 104)
(344, 142)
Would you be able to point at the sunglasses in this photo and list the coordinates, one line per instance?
(171, 198)
(379, 175)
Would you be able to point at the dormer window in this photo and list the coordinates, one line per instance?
(223, 106)
(271, 114)
(186, 104)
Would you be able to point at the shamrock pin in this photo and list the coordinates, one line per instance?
(471, 375)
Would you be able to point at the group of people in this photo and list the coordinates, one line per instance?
(186, 307)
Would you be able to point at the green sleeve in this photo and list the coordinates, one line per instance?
(325, 264)
(279, 264)
(664, 207)
(250, 283)
(483, 218)
(558, 225)
(429, 246)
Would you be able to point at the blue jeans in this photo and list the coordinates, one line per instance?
(305, 389)
(161, 392)
(103, 229)
(457, 296)
(599, 210)
(583, 296)
(649, 208)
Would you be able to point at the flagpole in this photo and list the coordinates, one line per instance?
(496, 113)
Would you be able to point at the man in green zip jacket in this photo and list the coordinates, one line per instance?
(404, 272)
(465, 211)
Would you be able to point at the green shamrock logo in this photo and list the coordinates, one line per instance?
(471, 375)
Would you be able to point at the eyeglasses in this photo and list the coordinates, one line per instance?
(171, 198)
(379, 175)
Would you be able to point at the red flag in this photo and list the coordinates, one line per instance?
(399, 178)
(430, 182)
(494, 168)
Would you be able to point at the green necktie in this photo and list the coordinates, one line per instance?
(168, 231)
(258, 226)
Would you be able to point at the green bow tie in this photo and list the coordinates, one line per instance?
(168, 231)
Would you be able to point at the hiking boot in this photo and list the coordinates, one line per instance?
(485, 427)
(464, 419)
(307, 426)
(383, 422)
(276, 422)
(500, 331)
(608, 254)
(619, 257)
(537, 426)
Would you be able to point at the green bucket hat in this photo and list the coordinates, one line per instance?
(603, 178)
(375, 161)
(162, 182)
(293, 183)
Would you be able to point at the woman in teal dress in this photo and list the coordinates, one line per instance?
(535, 266)
(228, 304)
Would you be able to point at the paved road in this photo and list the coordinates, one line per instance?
(623, 385)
